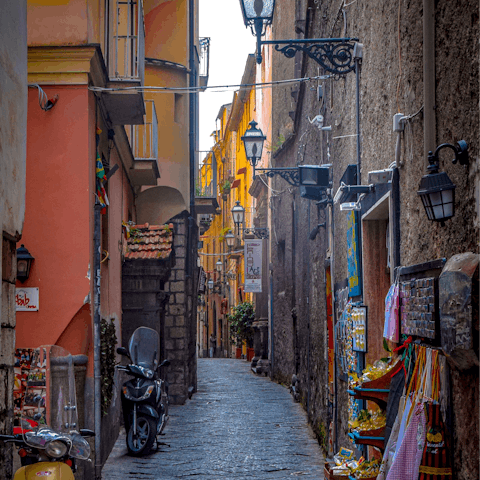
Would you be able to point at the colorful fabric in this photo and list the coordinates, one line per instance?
(391, 330)
(407, 460)
(436, 459)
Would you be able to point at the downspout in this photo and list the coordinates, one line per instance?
(429, 121)
(192, 136)
(96, 342)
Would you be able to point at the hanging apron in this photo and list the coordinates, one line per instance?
(407, 460)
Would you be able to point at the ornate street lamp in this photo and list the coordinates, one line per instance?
(436, 189)
(238, 214)
(230, 239)
(24, 262)
(333, 54)
(210, 284)
(253, 142)
(219, 266)
(304, 175)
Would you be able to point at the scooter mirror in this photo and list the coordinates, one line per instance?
(165, 363)
(85, 432)
(123, 351)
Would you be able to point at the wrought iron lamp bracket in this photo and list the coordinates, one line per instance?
(261, 233)
(335, 55)
(289, 174)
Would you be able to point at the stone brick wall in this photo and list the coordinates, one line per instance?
(7, 348)
(180, 315)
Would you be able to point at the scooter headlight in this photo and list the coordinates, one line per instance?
(147, 393)
(56, 449)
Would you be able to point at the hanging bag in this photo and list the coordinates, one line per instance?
(391, 327)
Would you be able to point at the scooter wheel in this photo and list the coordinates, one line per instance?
(142, 442)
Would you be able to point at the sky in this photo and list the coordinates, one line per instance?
(230, 44)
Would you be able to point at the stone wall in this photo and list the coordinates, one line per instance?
(13, 128)
(391, 81)
(180, 314)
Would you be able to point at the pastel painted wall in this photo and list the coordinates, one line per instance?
(166, 30)
(64, 22)
(57, 220)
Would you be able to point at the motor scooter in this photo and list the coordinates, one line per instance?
(46, 432)
(145, 396)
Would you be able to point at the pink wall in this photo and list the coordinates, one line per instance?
(57, 228)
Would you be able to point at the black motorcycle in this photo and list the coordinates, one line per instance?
(144, 397)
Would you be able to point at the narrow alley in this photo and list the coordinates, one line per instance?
(237, 426)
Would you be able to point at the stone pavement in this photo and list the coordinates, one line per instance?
(237, 426)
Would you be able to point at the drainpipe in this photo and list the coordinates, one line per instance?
(96, 342)
(429, 121)
(191, 248)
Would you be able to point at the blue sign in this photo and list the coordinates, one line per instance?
(354, 287)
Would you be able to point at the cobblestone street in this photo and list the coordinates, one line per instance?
(237, 426)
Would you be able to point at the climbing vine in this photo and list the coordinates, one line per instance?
(108, 341)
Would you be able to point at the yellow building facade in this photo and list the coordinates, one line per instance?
(226, 163)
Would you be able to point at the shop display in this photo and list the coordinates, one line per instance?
(30, 386)
(368, 420)
(417, 306)
(359, 325)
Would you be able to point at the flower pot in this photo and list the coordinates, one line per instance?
(250, 353)
(238, 352)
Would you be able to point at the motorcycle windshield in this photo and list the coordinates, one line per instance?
(144, 348)
(49, 406)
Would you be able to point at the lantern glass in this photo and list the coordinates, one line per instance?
(238, 213)
(219, 266)
(257, 9)
(230, 239)
(210, 284)
(437, 192)
(22, 267)
(253, 141)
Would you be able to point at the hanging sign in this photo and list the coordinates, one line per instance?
(202, 281)
(352, 256)
(253, 266)
(26, 299)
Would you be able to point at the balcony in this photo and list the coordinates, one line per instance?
(126, 61)
(144, 145)
(204, 60)
(206, 186)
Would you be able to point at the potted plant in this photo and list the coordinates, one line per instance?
(226, 187)
(241, 324)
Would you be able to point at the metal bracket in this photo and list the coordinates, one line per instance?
(289, 174)
(261, 233)
(335, 55)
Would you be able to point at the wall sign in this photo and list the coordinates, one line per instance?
(253, 266)
(352, 256)
(26, 299)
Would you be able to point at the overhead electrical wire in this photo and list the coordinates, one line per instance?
(214, 88)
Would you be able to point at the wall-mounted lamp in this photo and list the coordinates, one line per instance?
(238, 214)
(230, 238)
(24, 262)
(336, 55)
(219, 266)
(436, 189)
(210, 284)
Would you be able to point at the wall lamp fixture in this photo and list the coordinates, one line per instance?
(24, 262)
(344, 191)
(436, 189)
(336, 55)
(302, 175)
(238, 214)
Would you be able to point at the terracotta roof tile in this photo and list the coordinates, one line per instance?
(149, 241)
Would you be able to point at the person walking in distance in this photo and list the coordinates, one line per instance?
(213, 341)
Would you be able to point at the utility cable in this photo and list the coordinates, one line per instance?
(213, 87)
